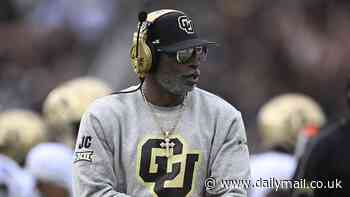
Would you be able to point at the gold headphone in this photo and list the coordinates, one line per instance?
(141, 53)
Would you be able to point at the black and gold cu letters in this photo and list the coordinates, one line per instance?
(172, 178)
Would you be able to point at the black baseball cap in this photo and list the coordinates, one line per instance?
(174, 31)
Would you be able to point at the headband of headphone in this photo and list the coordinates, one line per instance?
(142, 53)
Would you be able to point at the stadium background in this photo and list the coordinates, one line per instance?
(266, 48)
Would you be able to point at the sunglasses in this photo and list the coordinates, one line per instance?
(184, 56)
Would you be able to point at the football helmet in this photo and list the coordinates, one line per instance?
(20, 130)
(283, 117)
(66, 104)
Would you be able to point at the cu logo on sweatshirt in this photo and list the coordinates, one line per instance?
(164, 175)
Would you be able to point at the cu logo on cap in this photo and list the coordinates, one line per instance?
(185, 24)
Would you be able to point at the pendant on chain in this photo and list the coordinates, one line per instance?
(167, 145)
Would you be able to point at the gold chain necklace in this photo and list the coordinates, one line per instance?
(167, 144)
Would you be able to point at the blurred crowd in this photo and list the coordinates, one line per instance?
(283, 64)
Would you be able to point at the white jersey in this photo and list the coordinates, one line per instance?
(14, 181)
(270, 167)
(51, 163)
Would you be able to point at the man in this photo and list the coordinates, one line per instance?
(281, 121)
(167, 138)
(64, 106)
(20, 130)
(326, 161)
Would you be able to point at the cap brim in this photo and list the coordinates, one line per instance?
(187, 44)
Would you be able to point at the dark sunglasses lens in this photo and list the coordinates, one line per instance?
(185, 55)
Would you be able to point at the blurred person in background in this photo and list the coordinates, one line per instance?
(51, 165)
(14, 181)
(65, 105)
(89, 20)
(20, 130)
(33, 53)
(166, 136)
(33, 60)
(327, 160)
(281, 121)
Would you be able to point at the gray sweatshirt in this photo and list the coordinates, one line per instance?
(120, 148)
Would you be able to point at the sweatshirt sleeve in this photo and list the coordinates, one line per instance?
(230, 162)
(93, 172)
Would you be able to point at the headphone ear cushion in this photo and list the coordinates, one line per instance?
(146, 59)
(143, 62)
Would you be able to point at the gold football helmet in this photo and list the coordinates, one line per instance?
(282, 118)
(20, 130)
(66, 104)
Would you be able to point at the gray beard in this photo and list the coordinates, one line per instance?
(176, 86)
